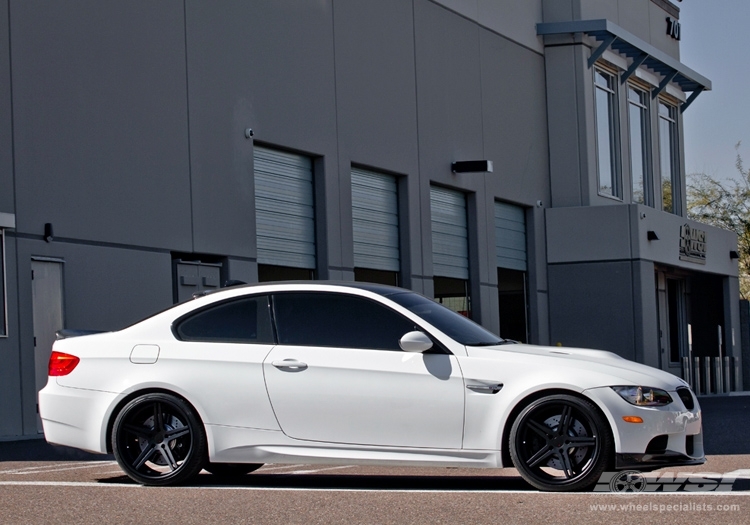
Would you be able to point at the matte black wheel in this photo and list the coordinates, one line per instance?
(158, 440)
(560, 443)
(231, 470)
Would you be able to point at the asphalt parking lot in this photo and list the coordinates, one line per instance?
(41, 483)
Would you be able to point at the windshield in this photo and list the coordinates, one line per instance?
(456, 326)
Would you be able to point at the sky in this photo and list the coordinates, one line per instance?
(715, 42)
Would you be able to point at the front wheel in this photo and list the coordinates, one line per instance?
(560, 443)
(158, 440)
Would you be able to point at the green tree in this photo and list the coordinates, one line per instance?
(725, 204)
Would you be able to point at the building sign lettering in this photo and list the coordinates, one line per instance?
(692, 244)
(673, 28)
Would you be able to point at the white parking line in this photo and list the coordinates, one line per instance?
(279, 467)
(317, 470)
(13, 471)
(54, 468)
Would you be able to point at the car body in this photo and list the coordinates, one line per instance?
(353, 373)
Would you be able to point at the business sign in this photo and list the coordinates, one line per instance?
(692, 244)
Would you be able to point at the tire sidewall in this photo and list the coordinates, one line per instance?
(196, 456)
(599, 463)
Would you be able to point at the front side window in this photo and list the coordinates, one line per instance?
(606, 133)
(244, 320)
(670, 186)
(640, 173)
(337, 320)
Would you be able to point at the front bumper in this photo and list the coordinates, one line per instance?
(646, 462)
(669, 436)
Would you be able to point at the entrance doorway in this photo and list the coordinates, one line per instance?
(47, 305)
(511, 286)
(671, 300)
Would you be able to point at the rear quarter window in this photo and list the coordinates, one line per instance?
(242, 320)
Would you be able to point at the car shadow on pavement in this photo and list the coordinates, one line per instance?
(375, 483)
(359, 482)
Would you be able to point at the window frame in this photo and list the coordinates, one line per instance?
(643, 106)
(673, 155)
(613, 119)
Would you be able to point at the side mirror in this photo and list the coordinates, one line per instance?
(415, 342)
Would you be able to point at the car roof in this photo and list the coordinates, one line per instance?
(380, 289)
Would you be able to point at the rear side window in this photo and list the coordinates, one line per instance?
(244, 320)
(337, 320)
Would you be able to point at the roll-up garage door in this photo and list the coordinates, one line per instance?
(510, 236)
(284, 208)
(375, 220)
(450, 247)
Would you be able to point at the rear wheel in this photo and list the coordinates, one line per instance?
(560, 443)
(231, 470)
(159, 440)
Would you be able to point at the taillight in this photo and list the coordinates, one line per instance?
(62, 364)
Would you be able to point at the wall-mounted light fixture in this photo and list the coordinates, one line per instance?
(48, 235)
(734, 255)
(472, 166)
(651, 235)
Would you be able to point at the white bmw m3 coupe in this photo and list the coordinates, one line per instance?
(353, 373)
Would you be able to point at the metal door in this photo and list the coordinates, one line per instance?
(284, 209)
(47, 305)
(375, 220)
(450, 245)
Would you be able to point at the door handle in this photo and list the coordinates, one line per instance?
(486, 389)
(291, 365)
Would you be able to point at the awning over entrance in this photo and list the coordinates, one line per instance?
(640, 52)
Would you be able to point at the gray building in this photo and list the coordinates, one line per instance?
(149, 150)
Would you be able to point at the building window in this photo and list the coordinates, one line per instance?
(640, 172)
(606, 133)
(375, 226)
(450, 249)
(284, 214)
(670, 180)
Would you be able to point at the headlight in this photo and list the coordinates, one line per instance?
(643, 396)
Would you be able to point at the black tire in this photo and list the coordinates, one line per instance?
(561, 443)
(231, 470)
(158, 440)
